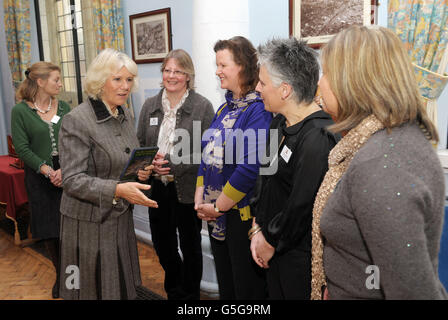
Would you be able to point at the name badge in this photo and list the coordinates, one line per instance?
(286, 154)
(153, 121)
(55, 119)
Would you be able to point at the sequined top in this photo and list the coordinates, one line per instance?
(382, 225)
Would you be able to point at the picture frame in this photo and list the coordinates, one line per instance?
(316, 21)
(151, 35)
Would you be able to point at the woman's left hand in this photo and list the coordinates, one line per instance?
(261, 250)
(206, 211)
(56, 177)
(144, 174)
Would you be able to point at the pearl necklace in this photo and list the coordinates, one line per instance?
(40, 110)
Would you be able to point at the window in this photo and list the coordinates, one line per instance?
(63, 42)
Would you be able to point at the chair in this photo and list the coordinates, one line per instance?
(12, 153)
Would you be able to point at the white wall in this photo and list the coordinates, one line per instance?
(268, 20)
(181, 27)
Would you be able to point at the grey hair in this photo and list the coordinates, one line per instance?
(293, 62)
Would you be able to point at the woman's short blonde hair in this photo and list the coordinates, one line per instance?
(107, 63)
(370, 72)
(184, 60)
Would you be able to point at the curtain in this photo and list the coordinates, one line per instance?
(18, 37)
(7, 100)
(109, 24)
(422, 25)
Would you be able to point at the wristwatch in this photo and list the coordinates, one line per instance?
(216, 208)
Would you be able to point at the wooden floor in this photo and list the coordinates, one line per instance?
(28, 275)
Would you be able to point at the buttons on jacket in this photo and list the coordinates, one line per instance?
(127, 150)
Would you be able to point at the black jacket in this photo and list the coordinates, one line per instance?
(285, 202)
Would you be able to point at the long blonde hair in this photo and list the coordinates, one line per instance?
(39, 70)
(370, 72)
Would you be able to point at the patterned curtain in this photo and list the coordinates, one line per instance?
(18, 37)
(109, 24)
(422, 25)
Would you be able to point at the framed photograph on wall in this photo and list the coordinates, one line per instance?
(151, 35)
(316, 21)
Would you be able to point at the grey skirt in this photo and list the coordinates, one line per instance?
(105, 255)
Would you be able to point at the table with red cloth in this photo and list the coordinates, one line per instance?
(12, 190)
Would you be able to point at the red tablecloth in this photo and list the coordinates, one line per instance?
(12, 186)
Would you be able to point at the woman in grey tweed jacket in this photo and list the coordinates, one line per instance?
(99, 258)
(382, 223)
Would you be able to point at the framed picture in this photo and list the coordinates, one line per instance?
(316, 21)
(151, 35)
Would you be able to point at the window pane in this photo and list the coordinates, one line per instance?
(64, 54)
(78, 20)
(82, 55)
(69, 38)
(83, 68)
(80, 36)
(62, 39)
(71, 69)
(65, 69)
(60, 23)
(73, 84)
(68, 22)
(59, 7)
(83, 81)
(67, 87)
(78, 5)
(70, 54)
(66, 6)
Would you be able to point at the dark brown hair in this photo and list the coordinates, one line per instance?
(244, 55)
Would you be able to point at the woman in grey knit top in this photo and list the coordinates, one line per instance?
(380, 208)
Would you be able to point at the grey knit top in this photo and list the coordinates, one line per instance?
(382, 225)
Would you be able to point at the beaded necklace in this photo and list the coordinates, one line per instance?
(39, 109)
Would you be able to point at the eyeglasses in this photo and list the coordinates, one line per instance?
(177, 73)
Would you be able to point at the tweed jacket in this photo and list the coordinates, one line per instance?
(196, 108)
(94, 147)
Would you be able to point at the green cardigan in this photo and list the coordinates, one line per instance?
(31, 135)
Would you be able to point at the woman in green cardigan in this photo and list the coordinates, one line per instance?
(35, 123)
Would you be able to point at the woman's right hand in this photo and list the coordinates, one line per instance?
(131, 191)
(326, 296)
(159, 162)
(198, 197)
(56, 178)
